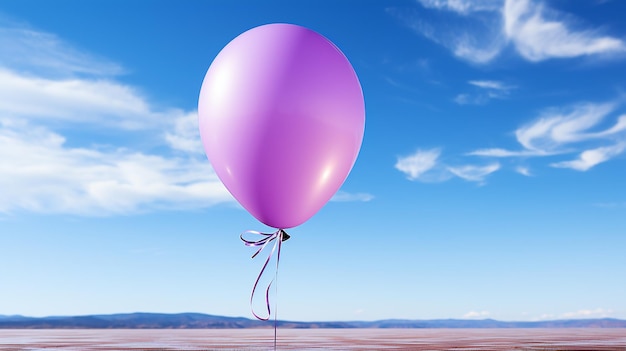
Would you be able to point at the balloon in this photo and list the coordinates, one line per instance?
(281, 116)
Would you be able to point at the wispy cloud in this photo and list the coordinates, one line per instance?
(45, 80)
(34, 52)
(39, 173)
(343, 196)
(425, 166)
(546, 316)
(485, 90)
(497, 152)
(185, 135)
(557, 127)
(462, 6)
(540, 33)
(483, 29)
(417, 164)
(598, 313)
(525, 171)
(583, 313)
(78, 100)
(466, 99)
(491, 85)
(574, 129)
(480, 45)
(45, 84)
(474, 173)
(476, 314)
(471, 48)
(593, 157)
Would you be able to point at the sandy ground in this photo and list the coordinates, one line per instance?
(316, 339)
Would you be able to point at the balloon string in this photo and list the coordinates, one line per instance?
(280, 240)
(261, 243)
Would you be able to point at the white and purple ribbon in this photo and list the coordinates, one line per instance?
(266, 238)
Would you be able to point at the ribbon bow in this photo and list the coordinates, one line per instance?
(261, 243)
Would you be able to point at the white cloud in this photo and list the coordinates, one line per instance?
(486, 28)
(40, 174)
(485, 91)
(46, 80)
(557, 127)
(40, 53)
(462, 6)
(538, 38)
(46, 84)
(454, 5)
(462, 99)
(580, 314)
(342, 196)
(566, 131)
(593, 157)
(525, 171)
(497, 152)
(490, 84)
(185, 136)
(619, 127)
(77, 100)
(473, 49)
(417, 164)
(474, 173)
(424, 166)
(476, 314)
(467, 99)
(546, 316)
(597, 313)
(468, 45)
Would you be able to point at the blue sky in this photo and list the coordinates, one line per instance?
(490, 183)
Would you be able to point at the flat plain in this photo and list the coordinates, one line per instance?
(613, 339)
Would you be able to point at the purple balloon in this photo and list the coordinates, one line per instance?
(282, 117)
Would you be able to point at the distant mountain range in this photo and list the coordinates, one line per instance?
(206, 321)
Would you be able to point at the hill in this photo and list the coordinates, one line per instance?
(206, 321)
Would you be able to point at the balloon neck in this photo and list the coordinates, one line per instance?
(283, 235)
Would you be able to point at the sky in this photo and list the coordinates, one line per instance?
(491, 182)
